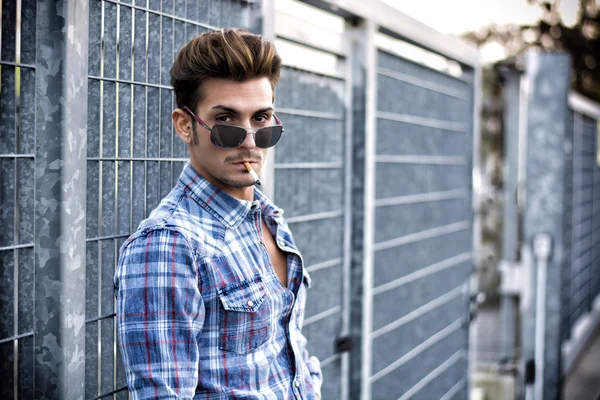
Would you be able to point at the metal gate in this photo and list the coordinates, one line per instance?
(582, 188)
(422, 239)
(310, 170)
(374, 173)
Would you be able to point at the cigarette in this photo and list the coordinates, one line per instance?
(253, 173)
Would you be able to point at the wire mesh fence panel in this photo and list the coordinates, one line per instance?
(134, 155)
(422, 233)
(17, 179)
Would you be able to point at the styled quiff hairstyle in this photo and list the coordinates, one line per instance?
(226, 53)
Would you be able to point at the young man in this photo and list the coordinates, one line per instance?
(211, 287)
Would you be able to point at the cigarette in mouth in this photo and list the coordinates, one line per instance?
(253, 173)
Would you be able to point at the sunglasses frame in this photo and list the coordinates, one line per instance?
(204, 125)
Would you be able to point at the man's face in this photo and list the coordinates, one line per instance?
(247, 104)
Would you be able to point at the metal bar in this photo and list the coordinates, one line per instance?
(348, 218)
(327, 264)
(315, 217)
(323, 74)
(427, 234)
(17, 337)
(427, 160)
(424, 309)
(454, 390)
(94, 239)
(111, 315)
(436, 338)
(476, 186)
(117, 80)
(111, 393)
(116, 178)
(310, 45)
(421, 198)
(322, 315)
(422, 83)
(370, 86)
(12, 155)
(314, 165)
(583, 105)
(389, 18)
(423, 121)
(131, 121)
(147, 64)
(268, 170)
(165, 15)
(153, 159)
(16, 199)
(17, 64)
(310, 113)
(17, 246)
(330, 360)
(100, 203)
(423, 272)
(432, 375)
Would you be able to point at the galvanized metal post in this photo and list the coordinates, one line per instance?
(362, 46)
(511, 218)
(267, 29)
(548, 79)
(60, 193)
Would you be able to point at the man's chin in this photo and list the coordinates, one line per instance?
(237, 183)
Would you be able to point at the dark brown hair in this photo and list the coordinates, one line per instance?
(225, 53)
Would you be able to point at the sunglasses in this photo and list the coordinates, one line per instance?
(229, 136)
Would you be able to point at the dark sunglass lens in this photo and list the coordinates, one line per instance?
(227, 136)
(268, 137)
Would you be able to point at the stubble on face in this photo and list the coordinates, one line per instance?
(242, 156)
(240, 102)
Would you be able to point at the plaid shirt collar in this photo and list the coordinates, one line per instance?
(226, 208)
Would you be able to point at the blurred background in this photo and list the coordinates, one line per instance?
(440, 172)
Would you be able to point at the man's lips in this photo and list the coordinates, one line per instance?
(248, 161)
(240, 164)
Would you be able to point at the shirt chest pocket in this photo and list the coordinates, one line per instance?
(244, 316)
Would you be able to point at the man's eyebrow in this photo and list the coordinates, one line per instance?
(236, 112)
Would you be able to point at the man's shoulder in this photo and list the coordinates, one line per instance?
(180, 215)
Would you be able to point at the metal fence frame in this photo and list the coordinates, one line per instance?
(72, 72)
(577, 329)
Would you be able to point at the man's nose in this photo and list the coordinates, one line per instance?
(249, 141)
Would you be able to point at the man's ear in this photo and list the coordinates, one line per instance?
(182, 122)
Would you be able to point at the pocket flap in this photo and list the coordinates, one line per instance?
(245, 296)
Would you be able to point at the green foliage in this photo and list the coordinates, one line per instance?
(581, 40)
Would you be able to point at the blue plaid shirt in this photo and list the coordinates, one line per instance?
(200, 311)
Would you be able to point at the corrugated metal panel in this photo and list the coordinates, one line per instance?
(422, 231)
(310, 186)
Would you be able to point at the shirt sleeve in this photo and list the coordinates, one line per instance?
(160, 313)
(312, 364)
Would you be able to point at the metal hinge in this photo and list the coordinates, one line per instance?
(529, 372)
(343, 344)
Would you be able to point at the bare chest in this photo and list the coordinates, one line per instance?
(278, 257)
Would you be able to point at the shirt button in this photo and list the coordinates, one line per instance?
(282, 243)
(297, 383)
(250, 303)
